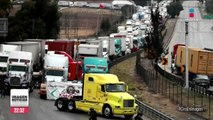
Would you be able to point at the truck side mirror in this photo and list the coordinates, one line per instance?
(126, 88)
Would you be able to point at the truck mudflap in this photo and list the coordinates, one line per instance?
(124, 111)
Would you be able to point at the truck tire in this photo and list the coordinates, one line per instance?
(128, 116)
(43, 96)
(107, 111)
(60, 104)
(71, 106)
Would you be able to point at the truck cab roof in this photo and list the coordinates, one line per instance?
(103, 78)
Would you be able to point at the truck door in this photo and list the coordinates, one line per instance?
(101, 93)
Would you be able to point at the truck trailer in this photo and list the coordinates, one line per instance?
(199, 61)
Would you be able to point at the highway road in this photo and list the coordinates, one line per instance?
(200, 33)
(42, 110)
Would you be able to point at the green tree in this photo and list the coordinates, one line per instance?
(209, 6)
(36, 19)
(174, 9)
(5, 6)
(105, 24)
(153, 42)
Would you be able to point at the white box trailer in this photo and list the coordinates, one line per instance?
(65, 89)
(85, 50)
(41, 43)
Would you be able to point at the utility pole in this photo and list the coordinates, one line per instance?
(186, 44)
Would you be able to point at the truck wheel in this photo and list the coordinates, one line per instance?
(43, 96)
(60, 104)
(107, 111)
(128, 116)
(71, 106)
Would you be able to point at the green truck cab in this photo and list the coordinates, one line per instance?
(102, 91)
(118, 47)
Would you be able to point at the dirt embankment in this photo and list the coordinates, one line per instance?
(84, 22)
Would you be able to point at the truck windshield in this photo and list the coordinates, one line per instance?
(17, 68)
(115, 87)
(3, 59)
(55, 72)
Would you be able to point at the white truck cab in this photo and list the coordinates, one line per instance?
(19, 70)
(56, 67)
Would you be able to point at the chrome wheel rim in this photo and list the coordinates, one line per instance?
(70, 106)
(107, 111)
(60, 103)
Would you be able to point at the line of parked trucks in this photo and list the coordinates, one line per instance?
(200, 64)
(58, 68)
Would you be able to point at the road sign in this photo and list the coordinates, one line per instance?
(182, 68)
(191, 10)
(191, 15)
(164, 61)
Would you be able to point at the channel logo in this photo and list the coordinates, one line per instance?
(19, 101)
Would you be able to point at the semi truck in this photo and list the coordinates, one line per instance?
(199, 61)
(37, 50)
(69, 49)
(55, 69)
(19, 71)
(100, 90)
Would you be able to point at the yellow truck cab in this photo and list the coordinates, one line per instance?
(102, 91)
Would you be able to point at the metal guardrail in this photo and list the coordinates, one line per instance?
(153, 113)
(118, 60)
(174, 78)
(146, 109)
(180, 81)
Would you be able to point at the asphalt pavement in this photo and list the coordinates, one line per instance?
(44, 110)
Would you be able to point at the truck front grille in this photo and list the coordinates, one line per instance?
(128, 103)
(14, 81)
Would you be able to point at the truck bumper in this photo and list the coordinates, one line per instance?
(8, 87)
(124, 111)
